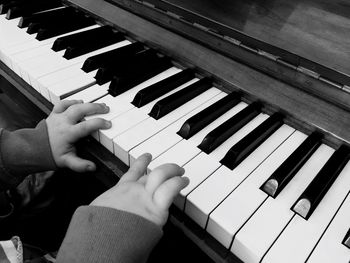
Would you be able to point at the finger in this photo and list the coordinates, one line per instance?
(77, 112)
(138, 169)
(143, 179)
(77, 164)
(85, 128)
(166, 193)
(65, 104)
(161, 174)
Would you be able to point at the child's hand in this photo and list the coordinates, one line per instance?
(149, 196)
(65, 127)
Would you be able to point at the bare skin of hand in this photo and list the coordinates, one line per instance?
(66, 126)
(149, 196)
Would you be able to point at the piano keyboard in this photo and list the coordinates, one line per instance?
(264, 190)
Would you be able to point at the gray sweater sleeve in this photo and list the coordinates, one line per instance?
(23, 152)
(100, 234)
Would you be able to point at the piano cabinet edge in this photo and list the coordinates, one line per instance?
(276, 68)
(109, 167)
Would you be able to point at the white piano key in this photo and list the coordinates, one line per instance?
(90, 94)
(55, 62)
(70, 83)
(180, 154)
(69, 72)
(207, 196)
(300, 236)
(61, 77)
(274, 214)
(235, 210)
(123, 143)
(122, 103)
(167, 138)
(199, 170)
(7, 50)
(221, 151)
(197, 138)
(131, 118)
(42, 47)
(190, 146)
(36, 44)
(13, 33)
(115, 103)
(70, 86)
(33, 53)
(33, 56)
(330, 247)
(12, 50)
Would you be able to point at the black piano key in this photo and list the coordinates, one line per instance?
(31, 8)
(253, 140)
(5, 1)
(142, 72)
(208, 115)
(120, 55)
(160, 88)
(220, 134)
(173, 101)
(46, 22)
(92, 45)
(346, 240)
(45, 17)
(80, 38)
(106, 74)
(6, 6)
(33, 28)
(59, 28)
(319, 186)
(286, 171)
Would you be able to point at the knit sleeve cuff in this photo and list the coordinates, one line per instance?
(23, 152)
(100, 234)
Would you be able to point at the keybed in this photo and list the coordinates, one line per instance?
(248, 169)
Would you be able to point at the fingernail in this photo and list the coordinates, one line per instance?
(108, 124)
(182, 171)
(90, 168)
(148, 155)
(186, 179)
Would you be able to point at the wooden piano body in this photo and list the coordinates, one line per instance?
(294, 57)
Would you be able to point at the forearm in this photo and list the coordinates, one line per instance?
(23, 152)
(100, 234)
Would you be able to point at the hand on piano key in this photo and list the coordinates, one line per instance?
(146, 195)
(65, 126)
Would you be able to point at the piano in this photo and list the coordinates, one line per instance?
(252, 98)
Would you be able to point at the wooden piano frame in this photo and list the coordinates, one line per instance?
(308, 102)
(311, 96)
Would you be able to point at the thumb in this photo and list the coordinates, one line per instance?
(77, 164)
